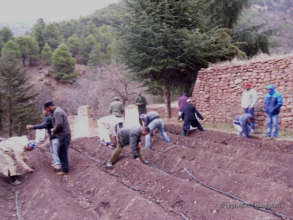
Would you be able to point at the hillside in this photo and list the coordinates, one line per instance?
(275, 17)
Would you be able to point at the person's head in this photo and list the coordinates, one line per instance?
(49, 107)
(46, 112)
(116, 98)
(188, 100)
(270, 89)
(30, 146)
(139, 94)
(248, 86)
(145, 131)
(251, 119)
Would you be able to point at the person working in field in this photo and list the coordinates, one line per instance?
(189, 116)
(132, 137)
(243, 124)
(153, 121)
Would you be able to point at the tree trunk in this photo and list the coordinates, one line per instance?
(9, 118)
(167, 95)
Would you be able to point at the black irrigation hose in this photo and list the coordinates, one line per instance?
(18, 212)
(263, 209)
(168, 208)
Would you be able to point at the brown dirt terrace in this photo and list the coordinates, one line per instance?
(255, 170)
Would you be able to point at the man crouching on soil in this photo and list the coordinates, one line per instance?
(129, 136)
(61, 131)
(243, 124)
(12, 159)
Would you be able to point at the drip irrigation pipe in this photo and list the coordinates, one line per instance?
(166, 207)
(260, 208)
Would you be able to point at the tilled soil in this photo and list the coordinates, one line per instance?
(255, 170)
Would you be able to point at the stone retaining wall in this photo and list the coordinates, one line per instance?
(217, 93)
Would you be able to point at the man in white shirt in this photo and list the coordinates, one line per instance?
(249, 100)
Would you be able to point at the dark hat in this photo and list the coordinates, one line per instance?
(47, 104)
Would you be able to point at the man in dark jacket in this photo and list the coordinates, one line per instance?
(54, 143)
(132, 137)
(273, 104)
(61, 131)
(141, 103)
(189, 118)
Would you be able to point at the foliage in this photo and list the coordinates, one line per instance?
(73, 43)
(29, 50)
(17, 99)
(11, 49)
(38, 32)
(52, 35)
(166, 43)
(46, 54)
(63, 64)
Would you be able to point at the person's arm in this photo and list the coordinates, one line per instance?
(266, 103)
(279, 103)
(58, 123)
(198, 114)
(44, 125)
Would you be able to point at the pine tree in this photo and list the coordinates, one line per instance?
(63, 64)
(38, 32)
(11, 49)
(18, 100)
(29, 50)
(166, 43)
(46, 54)
(74, 45)
(95, 57)
(53, 35)
(86, 47)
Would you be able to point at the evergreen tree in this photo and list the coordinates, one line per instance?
(166, 43)
(52, 35)
(227, 14)
(95, 56)
(63, 64)
(38, 32)
(5, 34)
(87, 45)
(46, 54)
(29, 50)
(74, 45)
(18, 101)
(11, 50)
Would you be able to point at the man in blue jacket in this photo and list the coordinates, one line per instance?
(273, 104)
(243, 124)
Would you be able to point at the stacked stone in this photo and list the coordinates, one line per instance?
(218, 90)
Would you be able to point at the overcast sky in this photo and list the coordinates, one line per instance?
(12, 11)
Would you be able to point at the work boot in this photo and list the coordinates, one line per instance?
(61, 173)
(57, 167)
(16, 182)
(109, 165)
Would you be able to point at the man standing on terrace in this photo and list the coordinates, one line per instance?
(273, 104)
(248, 101)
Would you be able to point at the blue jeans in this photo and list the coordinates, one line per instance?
(159, 124)
(272, 122)
(251, 111)
(54, 146)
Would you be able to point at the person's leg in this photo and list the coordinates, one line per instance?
(115, 155)
(269, 126)
(251, 111)
(148, 141)
(55, 146)
(239, 129)
(163, 132)
(275, 120)
(63, 153)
